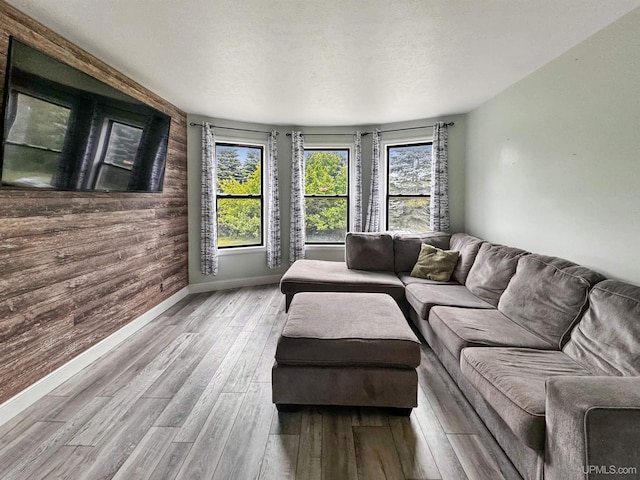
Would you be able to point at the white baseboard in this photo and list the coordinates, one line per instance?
(42, 387)
(235, 283)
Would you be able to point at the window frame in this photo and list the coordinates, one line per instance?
(237, 142)
(323, 147)
(386, 146)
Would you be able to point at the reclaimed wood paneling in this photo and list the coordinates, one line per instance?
(78, 266)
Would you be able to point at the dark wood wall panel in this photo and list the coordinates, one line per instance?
(76, 267)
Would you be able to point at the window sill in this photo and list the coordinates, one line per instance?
(223, 252)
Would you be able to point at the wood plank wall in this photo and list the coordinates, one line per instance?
(75, 267)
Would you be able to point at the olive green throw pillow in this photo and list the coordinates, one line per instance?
(435, 264)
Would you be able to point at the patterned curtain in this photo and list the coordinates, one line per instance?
(357, 203)
(373, 210)
(274, 250)
(439, 208)
(209, 220)
(298, 235)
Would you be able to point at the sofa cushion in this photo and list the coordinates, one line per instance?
(366, 329)
(323, 276)
(422, 297)
(512, 381)
(406, 247)
(547, 295)
(607, 338)
(459, 328)
(493, 268)
(468, 247)
(369, 251)
(434, 263)
(406, 278)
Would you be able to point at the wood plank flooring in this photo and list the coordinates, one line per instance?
(189, 397)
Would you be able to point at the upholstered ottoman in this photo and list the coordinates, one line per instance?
(346, 349)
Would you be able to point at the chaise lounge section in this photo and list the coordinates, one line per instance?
(375, 263)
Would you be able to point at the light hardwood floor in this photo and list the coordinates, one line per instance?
(189, 397)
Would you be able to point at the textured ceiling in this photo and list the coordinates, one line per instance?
(326, 62)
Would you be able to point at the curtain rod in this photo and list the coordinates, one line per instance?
(232, 128)
(331, 134)
(450, 124)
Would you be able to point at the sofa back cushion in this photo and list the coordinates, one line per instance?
(406, 247)
(547, 295)
(607, 339)
(468, 247)
(492, 270)
(369, 251)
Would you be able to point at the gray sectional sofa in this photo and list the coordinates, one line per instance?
(546, 351)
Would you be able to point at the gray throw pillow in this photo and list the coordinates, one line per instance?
(369, 251)
(435, 264)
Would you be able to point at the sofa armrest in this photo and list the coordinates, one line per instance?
(592, 428)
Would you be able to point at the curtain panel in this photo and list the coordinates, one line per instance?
(274, 247)
(439, 205)
(357, 164)
(373, 209)
(297, 237)
(208, 216)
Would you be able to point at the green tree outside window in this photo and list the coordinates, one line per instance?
(326, 190)
(239, 195)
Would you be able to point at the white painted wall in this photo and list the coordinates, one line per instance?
(248, 267)
(553, 163)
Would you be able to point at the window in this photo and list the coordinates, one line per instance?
(118, 156)
(326, 195)
(35, 142)
(408, 187)
(239, 198)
